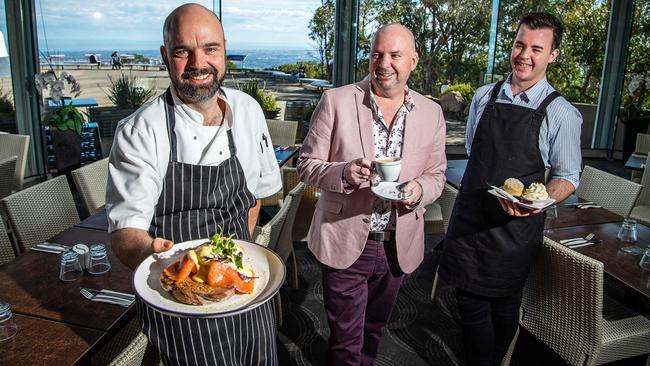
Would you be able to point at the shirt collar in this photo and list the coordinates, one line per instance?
(409, 103)
(532, 93)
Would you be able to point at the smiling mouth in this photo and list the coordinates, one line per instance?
(522, 65)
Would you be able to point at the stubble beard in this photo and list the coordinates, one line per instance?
(198, 93)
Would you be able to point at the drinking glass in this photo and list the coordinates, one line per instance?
(645, 260)
(627, 233)
(8, 327)
(98, 260)
(70, 266)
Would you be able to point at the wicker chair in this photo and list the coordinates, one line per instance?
(282, 132)
(6, 249)
(15, 145)
(91, 184)
(563, 306)
(40, 212)
(643, 147)
(128, 347)
(307, 204)
(613, 193)
(446, 202)
(7, 169)
(284, 246)
(641, 210)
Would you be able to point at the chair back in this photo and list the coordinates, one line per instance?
(269, 234)
(7, 169)
(282, 132)
(91, 184)
(563, 302)
(644, 196)
(39, 212)
(284, 246)
(613, 193)
(446, 201)
(642, 143)
(6, 249)
(307, 206)
(15, 145)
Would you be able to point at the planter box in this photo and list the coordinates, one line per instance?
(275, 114)
(8, 123)
(67, 149)
(107, 118)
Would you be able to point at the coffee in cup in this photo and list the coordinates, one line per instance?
(388, 168)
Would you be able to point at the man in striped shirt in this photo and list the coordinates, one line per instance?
(517, 128)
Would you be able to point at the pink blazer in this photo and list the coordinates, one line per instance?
(341, 131)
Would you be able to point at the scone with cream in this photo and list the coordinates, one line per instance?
(536, 192)
(513, 186)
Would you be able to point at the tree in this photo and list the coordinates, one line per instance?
(321, 31)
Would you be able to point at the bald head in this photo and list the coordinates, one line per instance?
(188, 13)
(396, 31)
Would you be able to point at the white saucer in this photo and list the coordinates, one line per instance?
(390, 191)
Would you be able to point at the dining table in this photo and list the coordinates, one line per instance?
(30, 285)
(284, 154)
(636, 161)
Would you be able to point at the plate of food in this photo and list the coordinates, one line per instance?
(215, 277)
(534, 197)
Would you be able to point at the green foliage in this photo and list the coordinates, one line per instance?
(140, 59)
(465, 89)
(230, 64)
(126, 92)
(6, 102)
(321, 31)
(265, 98)
(65, 118)
(312, 69)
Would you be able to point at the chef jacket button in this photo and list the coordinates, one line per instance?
(366, 220)
(220, 152)
(195, 137)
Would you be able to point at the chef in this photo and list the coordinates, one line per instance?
(197, 157)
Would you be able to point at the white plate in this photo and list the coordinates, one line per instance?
(533, 205)
(267, 265)
(389, 191)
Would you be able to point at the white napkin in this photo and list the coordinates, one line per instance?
(50, 248)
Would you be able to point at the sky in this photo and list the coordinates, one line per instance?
(137, 24)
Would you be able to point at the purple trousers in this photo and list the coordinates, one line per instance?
(358, 302)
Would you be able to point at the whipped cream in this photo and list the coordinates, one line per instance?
(536, 192)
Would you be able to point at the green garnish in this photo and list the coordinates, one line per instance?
(225, 248)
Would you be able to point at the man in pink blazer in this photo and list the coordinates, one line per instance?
(364, 243)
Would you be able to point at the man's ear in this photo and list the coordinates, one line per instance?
(554, 55)
(163, 54)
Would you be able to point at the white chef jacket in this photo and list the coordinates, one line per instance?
(140, 154)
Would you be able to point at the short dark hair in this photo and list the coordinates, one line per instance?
(537, 20)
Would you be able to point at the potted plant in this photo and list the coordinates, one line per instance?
(127, 94)
(265, 98)
(64, 122)
(7, 112)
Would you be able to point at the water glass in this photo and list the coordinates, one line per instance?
(627, 233)
(645, 260)
(98, 260)
(8, 327)
(70, 266)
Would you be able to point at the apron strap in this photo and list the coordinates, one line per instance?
(171, 123)
(540, 112)
(231, 143)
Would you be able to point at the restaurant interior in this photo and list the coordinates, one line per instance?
(587, 297)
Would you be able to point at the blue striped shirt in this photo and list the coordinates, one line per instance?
(559, 135)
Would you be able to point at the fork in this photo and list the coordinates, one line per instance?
(105, 298)
(120, 295)
(586, 238)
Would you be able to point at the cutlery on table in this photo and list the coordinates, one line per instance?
(50, 248)
(105, 292)
(580, 203)
(568, 242)
(584, 207)
(583, 244)
(103, 296)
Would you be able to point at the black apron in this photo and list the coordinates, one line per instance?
(194, 200)
(488, 252)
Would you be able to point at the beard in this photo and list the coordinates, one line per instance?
(198, 93)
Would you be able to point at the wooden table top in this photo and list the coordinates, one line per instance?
(619, 265)
(568, 216)
(64, 344)
(97, 221)
(31, 286)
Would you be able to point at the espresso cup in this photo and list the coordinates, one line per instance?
(388, 168)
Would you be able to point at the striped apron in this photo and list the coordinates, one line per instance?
(194, 200)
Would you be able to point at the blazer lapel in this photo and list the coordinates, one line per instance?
(364, 117)
(410, 137)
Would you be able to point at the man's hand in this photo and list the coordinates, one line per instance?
(159, 245)
(514, 209)
(414, 199)
(358, 171)
(132, 245)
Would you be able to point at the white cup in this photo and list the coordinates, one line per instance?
(388, 168)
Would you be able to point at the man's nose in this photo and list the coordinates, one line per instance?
(384, 61)
(195, 60)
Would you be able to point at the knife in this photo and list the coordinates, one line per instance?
(578, 245)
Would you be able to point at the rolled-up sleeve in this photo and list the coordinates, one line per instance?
(564, 156)
(134, 182)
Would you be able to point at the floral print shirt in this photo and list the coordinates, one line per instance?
(388, 143)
